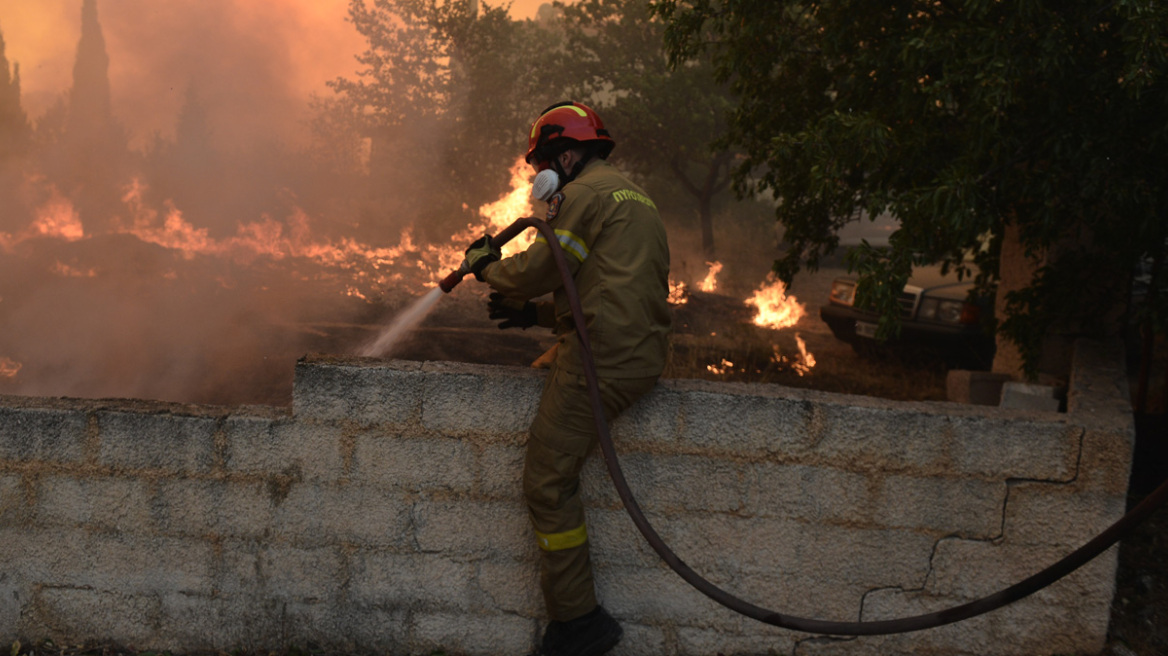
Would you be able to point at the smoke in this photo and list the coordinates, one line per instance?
(255, 61)
(191, 246)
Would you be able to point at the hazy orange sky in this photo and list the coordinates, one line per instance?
(254, 62)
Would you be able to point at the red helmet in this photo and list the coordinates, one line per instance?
(566, 121)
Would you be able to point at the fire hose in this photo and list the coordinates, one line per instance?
(1024, 588)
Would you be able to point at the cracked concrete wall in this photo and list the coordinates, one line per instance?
(383, 513)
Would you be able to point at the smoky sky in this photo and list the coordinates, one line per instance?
(254, 62)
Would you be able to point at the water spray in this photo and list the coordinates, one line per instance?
(407, 320)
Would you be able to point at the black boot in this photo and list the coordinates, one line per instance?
(592, 634)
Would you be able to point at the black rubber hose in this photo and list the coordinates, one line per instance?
(1024, 588)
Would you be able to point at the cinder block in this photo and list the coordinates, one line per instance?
(113, 504)
(126, 564)
(963, 506)
(70, 614)
(831, 554)
(809, 492)
(14, 509)
(303, 575)
(470, 528)
(335, 390)
(42, 434)
(658, 596)
(1028, 626)
(971, 569)
(890, 438)
(472, 634)
(639, 639)
(1109, 451)
(749, 640)
(500, 471)
(742, 423)
(156, 441)
(667, 483)
(411, 580)
(484, 401)
(1009, 447)
(421, 464)
(299, 449)
(1058, 515)
(189, 507)
(974, 387)
(315, 515)
(509, 586)
(1029, 396)
(615, 540)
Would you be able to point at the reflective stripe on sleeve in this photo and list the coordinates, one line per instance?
(570, 243)
(561, 541)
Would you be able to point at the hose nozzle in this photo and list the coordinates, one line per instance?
(451, 281)
(505, 235)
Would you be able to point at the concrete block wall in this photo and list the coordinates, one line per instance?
(383, 513)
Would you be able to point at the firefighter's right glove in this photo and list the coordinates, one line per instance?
(514, 314)
(480, 254)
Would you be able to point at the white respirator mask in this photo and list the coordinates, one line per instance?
(547, 183)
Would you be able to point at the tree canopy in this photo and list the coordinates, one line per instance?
(963, 119)
(666, 118)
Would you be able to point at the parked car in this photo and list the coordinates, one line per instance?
(937, 314)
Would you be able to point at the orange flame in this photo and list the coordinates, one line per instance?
(515, 204)
(291, 237)
(66, 271)
(56, 219)
(710, 284)
(801, 365)
(678, 293)
(720, 369)
(807, 359)
(9, 367)
(774, 309)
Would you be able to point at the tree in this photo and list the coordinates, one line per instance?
(967, 120)
(663, 116)
(447, 92)
(14, 129)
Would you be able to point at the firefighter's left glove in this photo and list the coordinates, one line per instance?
(480, 254)
(514, 314)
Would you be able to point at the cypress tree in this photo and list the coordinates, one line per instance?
(14, 128)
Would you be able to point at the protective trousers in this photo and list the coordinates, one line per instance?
(562, 435)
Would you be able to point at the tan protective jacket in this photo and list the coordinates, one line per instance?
(615, 245)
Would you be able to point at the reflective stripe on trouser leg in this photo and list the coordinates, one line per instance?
(563, 540)
(551, 486)
(562, 435)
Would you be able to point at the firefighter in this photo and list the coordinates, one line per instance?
(616, 247)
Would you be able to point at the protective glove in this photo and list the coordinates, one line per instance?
(515, 314)
(480, 254)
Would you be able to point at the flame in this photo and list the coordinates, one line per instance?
(801, 365)
(774, 309)
(291, 237)
(66, 271)
(678, 293)
(513, 205)
(710, 283)
(55, 219)
(9, 367)
(808, 360)
(720, 369)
